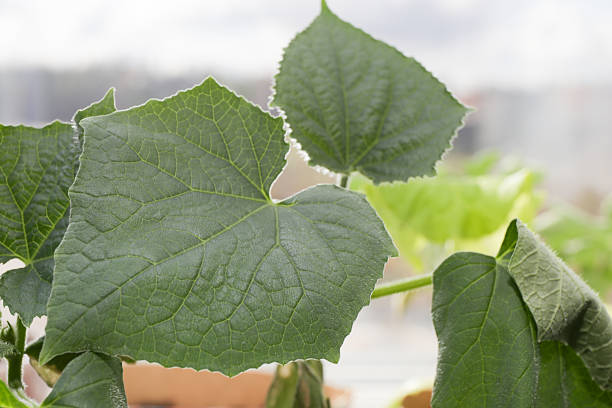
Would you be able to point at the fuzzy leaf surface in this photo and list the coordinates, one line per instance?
(176, 254)
(564, 307)
(37, 167)
(357, 104)
(89, 381)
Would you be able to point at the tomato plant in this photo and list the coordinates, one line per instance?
(150, 234)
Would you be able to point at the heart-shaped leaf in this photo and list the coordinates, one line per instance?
(175, 252)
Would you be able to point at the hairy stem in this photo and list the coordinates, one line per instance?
(402, 285)
(15, 361)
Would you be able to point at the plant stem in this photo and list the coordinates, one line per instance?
(402, 285)
(15, 361)
(20, 336)
(344, 180)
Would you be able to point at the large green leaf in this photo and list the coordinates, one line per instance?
(89, 381)
(488, 354)
(36, 168)
(175, 252)
(563, 306)
(356, 103)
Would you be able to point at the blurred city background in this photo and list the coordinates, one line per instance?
(539, 144)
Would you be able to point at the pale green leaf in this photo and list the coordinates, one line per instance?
(357, 104)
(563, 306)
(176, 254)
(36, 168)
(488, 353)
(450, 212)
(89, 381)
(8, 399)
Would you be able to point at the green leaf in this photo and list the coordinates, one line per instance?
(565, 381)
(176, 254)
(8, 399)
(357, 104)
(450, 212)
(488, 355)
(36, 168)
(104, 106)
(563, 306)
(90, 380)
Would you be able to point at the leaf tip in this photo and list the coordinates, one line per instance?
(324, 7)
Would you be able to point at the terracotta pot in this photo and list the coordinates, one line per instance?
(150, 385)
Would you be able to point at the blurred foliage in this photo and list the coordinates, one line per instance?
(466, 207)
(583, 241)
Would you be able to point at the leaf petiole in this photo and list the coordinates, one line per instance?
(402, 285)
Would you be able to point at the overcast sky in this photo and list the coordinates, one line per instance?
(467, 43)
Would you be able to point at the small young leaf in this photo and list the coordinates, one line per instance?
(563, 306)
(356, 103)
(488, 354)
(176, 254)
(565, 382)
(90, 380)
(36, 168)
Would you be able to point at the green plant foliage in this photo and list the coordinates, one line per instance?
(36, 168)
(584, 242)
(563, 306)
(487, 347)
(451, 211)
(565, 382)
(89, 381)
(357, 104)
(298, 385)
(494, 317)
(197, 266)
(8, 399)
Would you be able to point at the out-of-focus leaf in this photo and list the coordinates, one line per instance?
(298, 385)
(453, 212)
(8, 399)
(583, 241)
